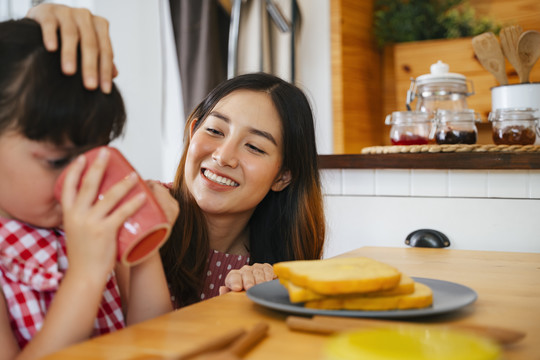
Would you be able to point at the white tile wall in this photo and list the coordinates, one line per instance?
(508, 184)
(359, 181)
(429, 183)
(505, 184)
(391, 182)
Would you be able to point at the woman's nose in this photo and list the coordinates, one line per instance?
(225, 155)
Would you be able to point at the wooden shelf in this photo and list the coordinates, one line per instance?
(470, 161)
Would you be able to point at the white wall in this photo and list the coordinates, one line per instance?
(314, 69)
(144, 54)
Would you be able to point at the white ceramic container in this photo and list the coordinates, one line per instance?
(526, 95)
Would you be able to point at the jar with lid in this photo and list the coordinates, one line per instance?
(440, 89)
(456, 127)
(409, 127)
(514, 126)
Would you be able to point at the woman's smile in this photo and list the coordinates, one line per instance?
(218, 179)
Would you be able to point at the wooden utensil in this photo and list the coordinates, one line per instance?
(489, 53)
(213, 345)
(331, 324)
(509, 37)
(528, 51)
(240, 346)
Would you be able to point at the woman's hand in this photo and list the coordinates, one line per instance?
(91, 226)
(164, 198)
(246, 277)
(76, 26)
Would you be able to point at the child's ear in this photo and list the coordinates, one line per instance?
(282, 181)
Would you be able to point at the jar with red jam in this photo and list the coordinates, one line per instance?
(514, 126)
(410, 127)
(456, 127)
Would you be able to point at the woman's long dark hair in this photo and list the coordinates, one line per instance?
(46, 105)
(286, 225)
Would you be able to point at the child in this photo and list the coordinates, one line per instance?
(46, 120)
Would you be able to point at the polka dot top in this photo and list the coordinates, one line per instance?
(219, 265)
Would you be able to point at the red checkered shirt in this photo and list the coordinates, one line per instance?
(33, 262)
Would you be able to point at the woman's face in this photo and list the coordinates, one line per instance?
(28, 172)
(235, 155)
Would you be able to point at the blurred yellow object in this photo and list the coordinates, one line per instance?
(408, 343)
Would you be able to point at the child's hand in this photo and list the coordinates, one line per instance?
(78, 25)
(246, 277)
(167, 202)
(91, 228)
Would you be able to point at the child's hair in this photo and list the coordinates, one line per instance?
(43, 104)
(286, 225)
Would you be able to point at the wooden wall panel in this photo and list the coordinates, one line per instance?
(356, 74)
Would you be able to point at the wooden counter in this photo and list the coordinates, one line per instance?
(507, 284)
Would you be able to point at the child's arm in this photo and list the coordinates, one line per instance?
(70, 317)
(148, 292)
(8, 344)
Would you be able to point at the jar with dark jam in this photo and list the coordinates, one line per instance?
(456, 127)
(514, 126)
(409, 127)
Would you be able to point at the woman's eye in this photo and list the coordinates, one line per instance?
(213, 131)
(59, 163)
(256, 149)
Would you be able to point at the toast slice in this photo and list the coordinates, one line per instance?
(300, 294)
(421, 297)
(338, 276)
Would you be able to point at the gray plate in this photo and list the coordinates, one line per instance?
(447, 296)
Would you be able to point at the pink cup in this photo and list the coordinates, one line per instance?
(144, 232)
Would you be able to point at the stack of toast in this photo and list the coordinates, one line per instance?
(351, 283)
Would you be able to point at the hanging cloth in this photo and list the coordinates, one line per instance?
(201, 30)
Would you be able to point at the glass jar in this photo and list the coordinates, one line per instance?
(514, 126)
(439, 90)
(456, 127)
(409, 127)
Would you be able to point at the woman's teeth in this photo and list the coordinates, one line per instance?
(219, 179)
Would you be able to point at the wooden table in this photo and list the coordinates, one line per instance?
(508, 287)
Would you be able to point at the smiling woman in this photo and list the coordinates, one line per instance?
(245, 201)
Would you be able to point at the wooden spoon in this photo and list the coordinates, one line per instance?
(509, 37)
(529, 51)
(489, 53)
(239, 347)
